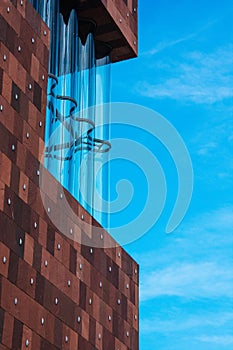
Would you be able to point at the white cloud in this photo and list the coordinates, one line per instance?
(200, 280)
(214, 222)
(167, 44)
(211, 230)
(220, 340)
(172, 42)
(197, 262)
(207, 148)
(203, 78)
(180, 324)
(211, 149)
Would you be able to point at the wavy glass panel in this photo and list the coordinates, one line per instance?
(77, 81)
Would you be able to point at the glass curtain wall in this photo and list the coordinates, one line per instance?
(78, 80)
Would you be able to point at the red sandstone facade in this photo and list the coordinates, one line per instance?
(54, 292)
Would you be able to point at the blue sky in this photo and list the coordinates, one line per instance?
(185, 72)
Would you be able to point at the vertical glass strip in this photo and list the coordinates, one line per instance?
(102, 132)
(87, 99)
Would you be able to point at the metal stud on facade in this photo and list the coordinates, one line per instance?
(101, 284)
(15, 301)
(45, 32)
(118, 301)
(4, 58)
(78, 319)
(49, 210)
(61, 195)
(4, 260)
(101, 236)
(43, 77)
(46, 263)
(27, 343)
(80, 266)
(109, 318)
(90, 301)
(91, 251)
(99, 336)
(56, 301)
(21, 3)
(19, 48)
(127, 286)
(20, 242)
(1, 108)
(27, 135)
(38, 172)
(30, 87)
(8, 9)
(42, 321)
(71, 231)
(40, 124)
(35, 225)
(110, 269)
(82, 217)
(9, 201)
(33, 40)
(69, 283)
(66, 339)
(31, 281)
(127, 334)
(58, 246)
(16, 97)
(13, 148)
(24, 187)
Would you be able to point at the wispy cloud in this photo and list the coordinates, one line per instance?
(196, 264)
(189, 281)
(219, 340)
(168, 44)
(204, 319)
(202, 231)
(211, 150)
(198, 280)
(207, 148)
(203, 78)
(212, 222)
(172, 42)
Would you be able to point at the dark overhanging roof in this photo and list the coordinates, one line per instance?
(116, 23)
